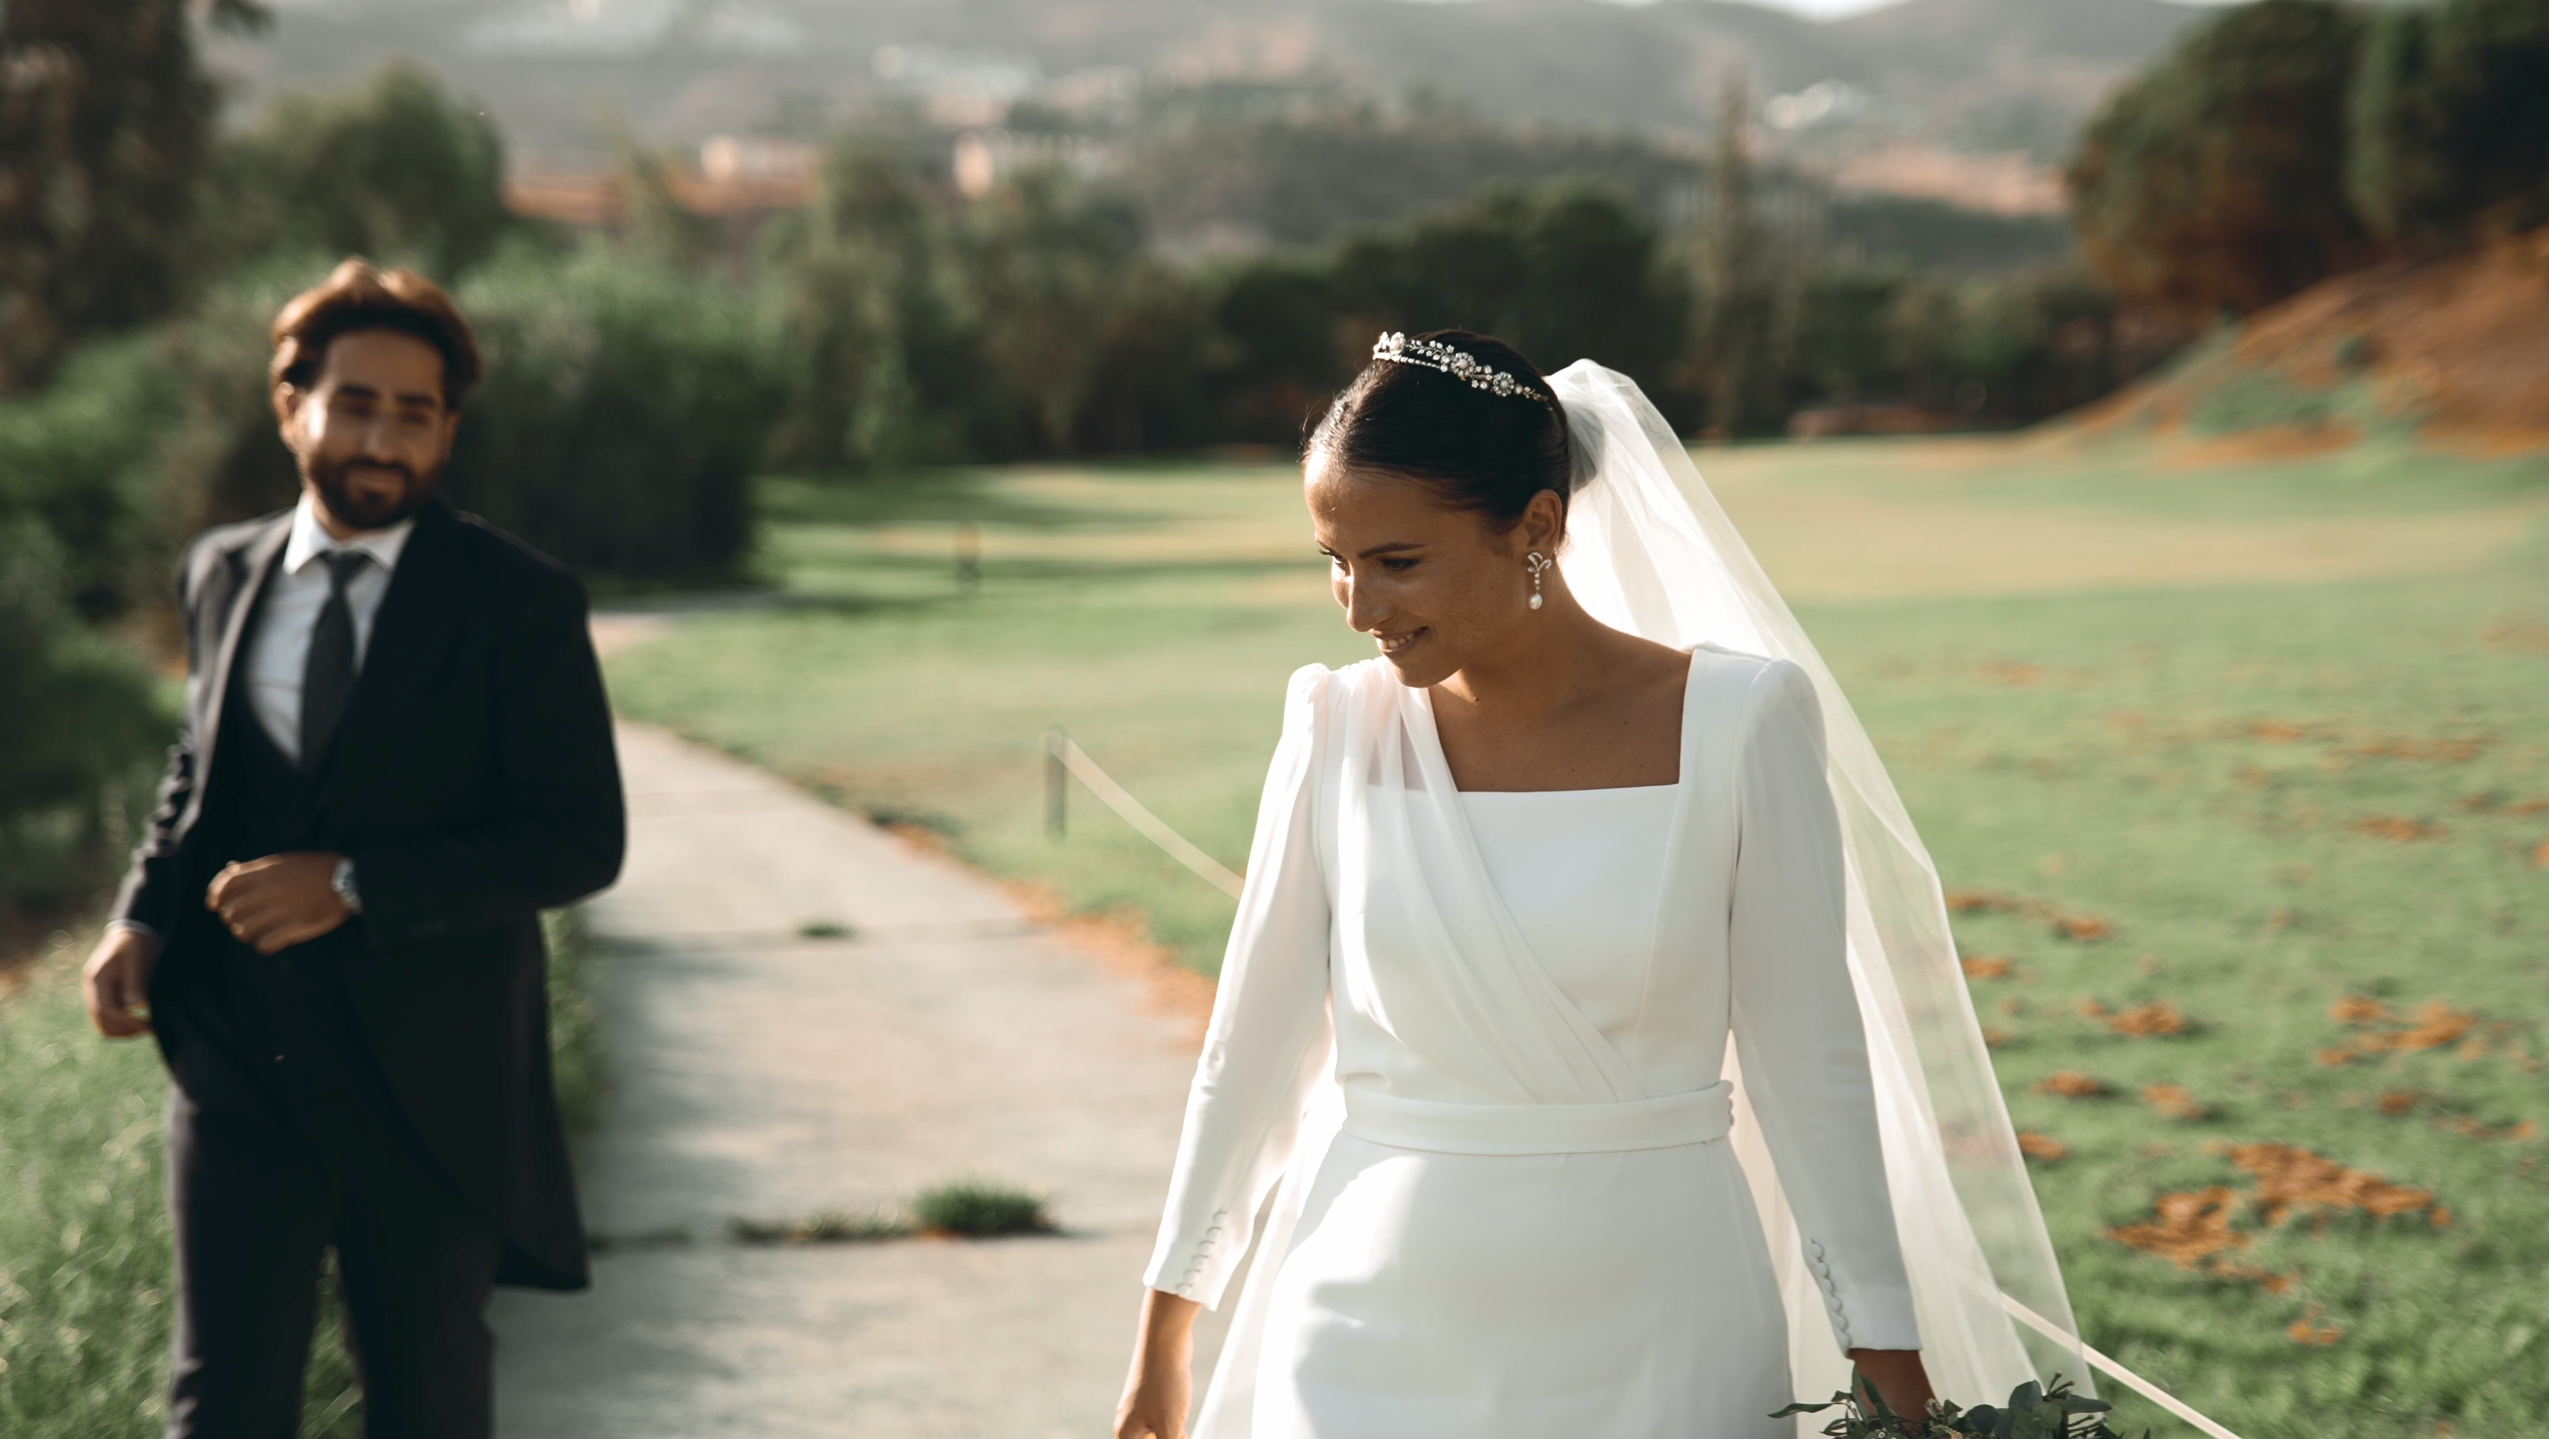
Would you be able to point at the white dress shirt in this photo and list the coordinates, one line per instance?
(278, 652)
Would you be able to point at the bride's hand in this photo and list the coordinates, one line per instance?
(1899, 1376)
(1161, 1385)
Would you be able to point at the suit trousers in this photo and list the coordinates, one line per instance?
(285, 1142)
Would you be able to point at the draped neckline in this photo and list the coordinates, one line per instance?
(1434, 770)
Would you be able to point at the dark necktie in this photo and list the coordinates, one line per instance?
(328, 681)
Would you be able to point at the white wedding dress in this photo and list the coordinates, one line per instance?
(1529, 1224)
(1598, 1114)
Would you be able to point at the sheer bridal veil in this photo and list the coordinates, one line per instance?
(1649, 551)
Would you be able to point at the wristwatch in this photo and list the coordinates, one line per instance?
(343, 883)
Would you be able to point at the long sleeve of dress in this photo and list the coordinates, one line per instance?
(1269, 1034)
(1796, 1018)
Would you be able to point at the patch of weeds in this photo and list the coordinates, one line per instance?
(978, 1209)
(927, 821)
(829, 1226)
(965, 1209)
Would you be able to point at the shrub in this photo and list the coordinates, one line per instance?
(77, 722)
(77, 727)
(76, 464)
(978, 1209)
(622, 419)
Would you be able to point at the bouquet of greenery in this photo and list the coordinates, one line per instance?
(2033, 1412)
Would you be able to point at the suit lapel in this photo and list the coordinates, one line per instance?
(249, 567)
(419, 615)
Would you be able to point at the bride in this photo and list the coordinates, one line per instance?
(1595, 1030)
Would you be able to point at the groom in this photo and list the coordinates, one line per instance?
(396, 754)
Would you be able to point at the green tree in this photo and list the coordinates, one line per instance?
(2216, 180)
(397, 169)
(1047, 266)
(1736, 297)
(2449, 118)
(1285, 345)
(655, 226)
(104, 119)
(1562, 273)
(879, 358)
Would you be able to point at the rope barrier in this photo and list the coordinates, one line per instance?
(2118, 1372)
(1061, 754)
(1064, 757)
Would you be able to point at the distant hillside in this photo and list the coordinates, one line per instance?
(1968, 74)
(2008, 74)
(2450, 347)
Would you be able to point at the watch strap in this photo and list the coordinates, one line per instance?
(343, 883)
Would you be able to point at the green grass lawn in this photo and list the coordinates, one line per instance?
(2278, 723)
(86, 1275)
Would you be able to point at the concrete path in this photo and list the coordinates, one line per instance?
(756, 1072)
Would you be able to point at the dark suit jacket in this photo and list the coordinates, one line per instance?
(473, 782)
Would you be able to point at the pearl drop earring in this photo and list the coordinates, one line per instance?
(1534, 563)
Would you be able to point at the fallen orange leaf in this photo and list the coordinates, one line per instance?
(2191, 1227)
(2397, 830)
(2041, 1146)
(2292, 1180)
(2174, 1101)
(2144, 1021)
(2071, 1084)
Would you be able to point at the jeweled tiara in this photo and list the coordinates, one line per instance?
(1459, 364)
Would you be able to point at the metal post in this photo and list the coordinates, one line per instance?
(1057, 784)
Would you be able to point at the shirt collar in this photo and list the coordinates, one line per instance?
(310, 540)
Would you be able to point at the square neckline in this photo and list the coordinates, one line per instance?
(1681, 749)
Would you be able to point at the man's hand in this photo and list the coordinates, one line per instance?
(116, 982)
(279, 901)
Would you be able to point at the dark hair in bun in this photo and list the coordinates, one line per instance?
(1476, 449)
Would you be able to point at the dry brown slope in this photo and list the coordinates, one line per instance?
(2457, 346)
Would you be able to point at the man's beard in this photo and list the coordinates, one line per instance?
(371, 512)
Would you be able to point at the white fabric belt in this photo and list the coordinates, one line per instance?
(1668, 1121)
